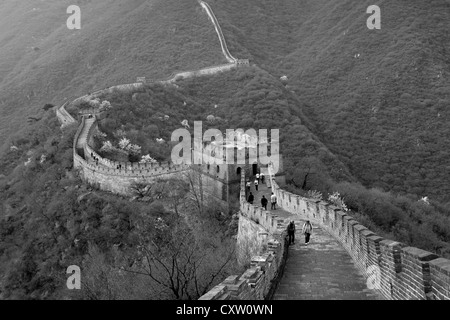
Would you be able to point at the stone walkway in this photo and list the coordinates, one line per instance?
(323, 270)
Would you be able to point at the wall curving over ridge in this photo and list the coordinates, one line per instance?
(214, 20)
(64, 117)
(115, 176)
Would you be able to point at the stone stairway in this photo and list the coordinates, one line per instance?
(323, 270)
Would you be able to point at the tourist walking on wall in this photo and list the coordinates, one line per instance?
(291, 232)
(273, 201)
(262, 177)
(307, 230)
(248, 186)
(257, 177)
(264, 202)
(251, 197)
(256, 184)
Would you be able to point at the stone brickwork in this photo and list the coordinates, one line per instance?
(406, 273)
(440, 278)
(252, 237)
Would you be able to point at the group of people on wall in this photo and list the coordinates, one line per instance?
(307, 226)
(264, 201)
(306, 230)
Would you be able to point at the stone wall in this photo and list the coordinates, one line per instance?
(201, 72)
(119, 182)
(219, 32)
(106, 175)
(66, 118)
(403, 273)
(63, 116)
(251, 239)
(122, 88)
(262, 236)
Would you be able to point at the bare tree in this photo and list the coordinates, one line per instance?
(196, 191)
(176, 262)
(174, 190)
(305, 170)
(141, 189)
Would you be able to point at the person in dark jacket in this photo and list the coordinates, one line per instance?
(251, 197)
(291, 232)
(264, 202)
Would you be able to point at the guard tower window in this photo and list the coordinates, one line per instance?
(238, 171)
(218, 169)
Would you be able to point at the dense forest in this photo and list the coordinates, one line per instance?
(50, 219)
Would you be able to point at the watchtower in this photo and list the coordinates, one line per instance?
(221, 165)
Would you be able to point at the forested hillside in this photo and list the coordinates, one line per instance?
(253, 98)
(50, 219)
(362, 112)
(379, 98)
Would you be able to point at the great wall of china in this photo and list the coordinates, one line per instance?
(118, 177)
(215, 22)
(105, 173)
(262, 238)
(405, 272)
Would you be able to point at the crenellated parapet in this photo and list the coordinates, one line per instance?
(116, 177)
(144, 171)
(399, 272)
(242, 62)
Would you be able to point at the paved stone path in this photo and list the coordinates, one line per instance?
(322, 270)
